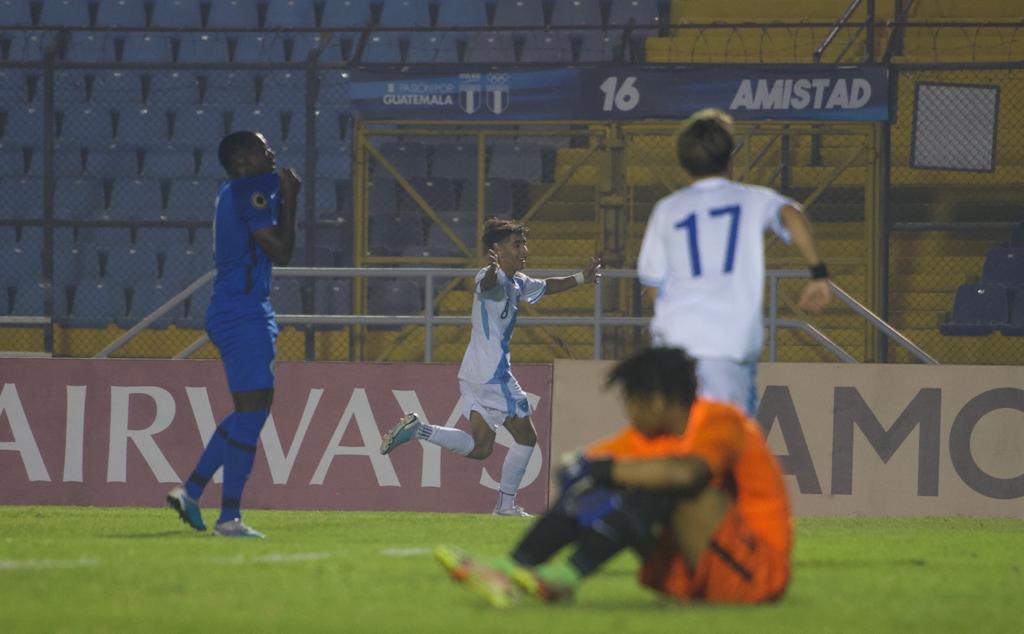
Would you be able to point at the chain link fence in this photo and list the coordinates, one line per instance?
(956, 173)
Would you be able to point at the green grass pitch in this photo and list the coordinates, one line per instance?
(73, 569)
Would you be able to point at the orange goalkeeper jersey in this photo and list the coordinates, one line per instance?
(740, 460)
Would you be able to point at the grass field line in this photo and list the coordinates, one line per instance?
(270, 558)
(48, 564)
(405, 552)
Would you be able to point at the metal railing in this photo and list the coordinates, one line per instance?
(597, 321)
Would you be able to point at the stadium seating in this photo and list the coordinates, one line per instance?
(410, 159)
(576, 13)
(343, 14)
(135, 199)
(454, 161)
(29, 298)
(229, 89)
(519, 13)
(433, 47)
(86, 47)
(115, 163)
(204, 48)
(516, 162)
(202, 126)
(978, 309)
(547, 48)
(142, 127)
(463, 225)
(145, 297)
(236, 14)
(286, 296)
(120, 13)
(130, 263)
(96, 303)
(177, 14)
(390, 234)
(143, 48)
(173, 89)
(191, 199)
(64, 13)
(382, 48)
(15, 13)
(257, 48)
(404, 14)
(116, 88)
(1014, 327)
(28, 46)
(69, 88)
(394, 297)
(461, 13)
(20, 261)
(169, 162)
(88, 126)
(1004, 266)
(79, 199)
(12, 163)
(290, 14)
(332, 296)
(490, 47)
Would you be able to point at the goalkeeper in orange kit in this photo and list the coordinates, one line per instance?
(690, 486)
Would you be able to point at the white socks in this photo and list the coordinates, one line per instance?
(512, 471)
(448, 437)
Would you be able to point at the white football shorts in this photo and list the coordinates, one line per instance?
(495, 402)
(729, 381)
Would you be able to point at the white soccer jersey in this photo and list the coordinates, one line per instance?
(487, 357)
(704, 251)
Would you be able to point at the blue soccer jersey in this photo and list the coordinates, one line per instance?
(244, 206)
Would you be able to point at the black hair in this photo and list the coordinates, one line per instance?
(666, 371)
(234, 145)
(704, 143)
(497, 229)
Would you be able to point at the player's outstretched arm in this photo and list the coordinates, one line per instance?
(818, 292)
(278, 241)
(591, 273)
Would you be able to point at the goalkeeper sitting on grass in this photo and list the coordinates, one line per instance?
(690, 485)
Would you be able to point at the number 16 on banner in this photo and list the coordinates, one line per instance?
(623, 97)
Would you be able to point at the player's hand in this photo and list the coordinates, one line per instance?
(495, 259)
(290, 182)
(592, 271)
(815, 296)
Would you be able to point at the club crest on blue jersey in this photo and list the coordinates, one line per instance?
(259, 200)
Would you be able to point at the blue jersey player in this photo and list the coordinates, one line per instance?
(254, 227)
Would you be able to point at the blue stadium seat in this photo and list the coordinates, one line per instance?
(547, 48)
(230, 89)
(64, 13)
(199, 127)
(142, 127)
(145, 297)
(258, 120)
(195, 312)
(642, 12)
(331, 163)
(283, 90)
(135, 199)
(162, 240)
(394, 297)
(490, 47)
(390, 234)
(67, 162)
(88, 126)
(192, 199)
(516, 162)
(332, 296)
(286, 296)
(116, 88)
(1015, 324)
(598, 46)
(331, 127)
(461, 13)
(178, 14)
(1004, 266)
(174, 89)
(405, 13)
(497, 197)
(382, 48)
(69, 88)
(19, 261)
(144, 48)
(29, 298)
(202, 240)
(128, 264)
(256, 48)
(977, 310)
(13, 88)
(78, 199)
(293, 156)
(209, 165)
(303, 43)
(432, 47)
(242, 14)
(15, 13)
(290, 14)
(519, 13)
(338, 237)
(28, 46)
(122, 13)
(335, 88)
(91, 48)
(327, 207)
(115, 163)
(381, 196)
(341, 14)
(12, 163)
(203, 48)
(1017, 237)
(21, 198)
(576, 13)
(410, 159)
(96, 303)
(439, 193)
(169, 162)
(463, 225)
(454, 161)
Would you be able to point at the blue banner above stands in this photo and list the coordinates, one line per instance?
(855, 93)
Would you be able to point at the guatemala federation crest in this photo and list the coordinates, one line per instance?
(469, 98)
(497, 92)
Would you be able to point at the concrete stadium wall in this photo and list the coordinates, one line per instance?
(860, 440)
(122, 432)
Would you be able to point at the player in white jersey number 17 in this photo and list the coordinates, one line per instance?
(491, 395)
(703, 254)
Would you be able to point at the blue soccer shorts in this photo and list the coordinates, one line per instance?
(247, 350)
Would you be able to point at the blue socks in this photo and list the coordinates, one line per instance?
(239, 454)
(211, 460)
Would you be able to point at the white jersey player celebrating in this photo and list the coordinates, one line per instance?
(491, 396)
(703, 250)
